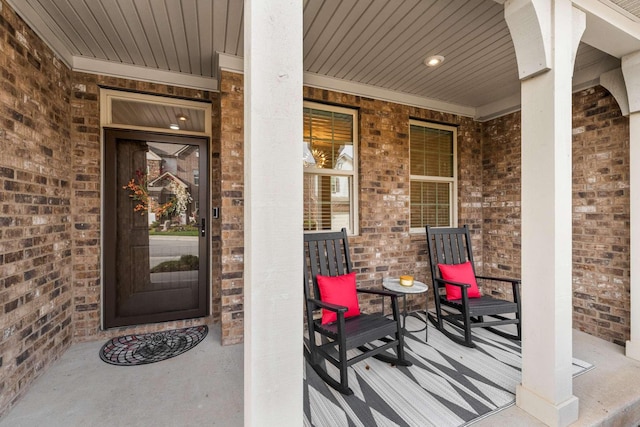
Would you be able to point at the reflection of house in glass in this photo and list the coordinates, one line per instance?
(169, 167)
(340, 188)
(327, 206)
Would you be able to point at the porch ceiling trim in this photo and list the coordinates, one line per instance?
(608, 29)
(359, 89)
(499, 108)
(126, 71)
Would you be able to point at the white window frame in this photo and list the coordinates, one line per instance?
(453, 181)
(353, 174)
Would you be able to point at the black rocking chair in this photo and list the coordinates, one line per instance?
(453, 246)
(327, 254)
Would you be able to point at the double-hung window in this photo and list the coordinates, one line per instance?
(329, 155)
(433, 175)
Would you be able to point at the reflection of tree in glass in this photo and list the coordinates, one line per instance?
(178, 204)
(185, 263)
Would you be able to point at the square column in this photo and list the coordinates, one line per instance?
(631, 72)
(546, 34)
(633, 345)
(273, 358)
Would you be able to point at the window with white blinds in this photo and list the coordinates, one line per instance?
(329, 156)
(433, 175)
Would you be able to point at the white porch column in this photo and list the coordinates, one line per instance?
(631, 72)
(546, 34)
(273, 359)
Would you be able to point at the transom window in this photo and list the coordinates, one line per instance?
(329, 156)
(433, 175)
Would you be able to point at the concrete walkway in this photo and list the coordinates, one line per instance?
(204, 387)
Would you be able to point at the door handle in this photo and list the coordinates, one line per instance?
(203, 228)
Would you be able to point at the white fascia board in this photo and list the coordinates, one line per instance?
(368, 91)
(499, 108)
(49, 37)
(608, 29)
(231, 63)
(132, 72)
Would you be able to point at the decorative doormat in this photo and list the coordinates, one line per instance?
(141, 349)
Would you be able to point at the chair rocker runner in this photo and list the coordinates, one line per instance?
(327, 256)
(449, 249)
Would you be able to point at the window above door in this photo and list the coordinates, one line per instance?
(132, 110)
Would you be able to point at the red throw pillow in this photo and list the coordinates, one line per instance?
(339, 290)
(462, 273)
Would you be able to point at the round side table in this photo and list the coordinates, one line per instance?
(417, 288)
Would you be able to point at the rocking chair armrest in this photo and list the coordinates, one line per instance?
(451, 282)
(328, 306)
(384, 293)
(500, 279)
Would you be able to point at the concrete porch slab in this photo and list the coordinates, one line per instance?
(204, 386)
(609, 394)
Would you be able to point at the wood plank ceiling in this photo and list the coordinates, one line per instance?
(379, 43)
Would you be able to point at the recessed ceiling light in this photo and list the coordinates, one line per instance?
(434, 60)
(182, 117)
(174, 126)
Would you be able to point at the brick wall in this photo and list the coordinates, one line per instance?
(600, 210)
(35, 202)
(216, 224)
(600, 216)
(501, 159)
(232, 206)
(385, 246)
(488, 200)
(470, 172)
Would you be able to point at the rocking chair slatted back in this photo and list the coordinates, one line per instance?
(453, 246)
(449, 247)
(328, 255)
(373, 333)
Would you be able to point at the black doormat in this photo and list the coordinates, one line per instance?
(141, 349)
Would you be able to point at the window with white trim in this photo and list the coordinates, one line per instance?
(329, 156)
(433, 166)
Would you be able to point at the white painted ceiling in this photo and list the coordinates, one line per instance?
(375, 44)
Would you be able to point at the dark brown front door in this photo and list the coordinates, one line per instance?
(155, 227)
